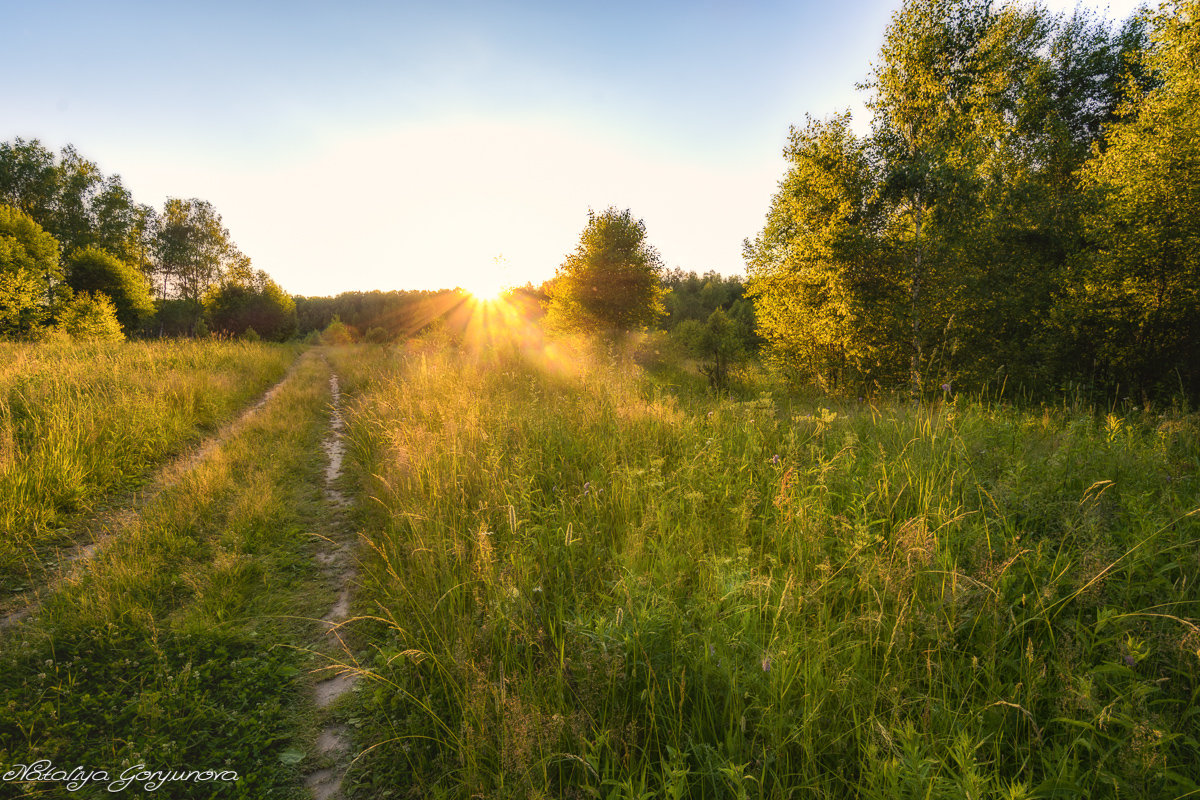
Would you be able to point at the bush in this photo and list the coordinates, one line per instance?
(378, 335)
(337, 333)
(90, 317)
(94, 270)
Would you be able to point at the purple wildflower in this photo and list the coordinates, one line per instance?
(766, 664)
(1130, 660)
(945, 387)
(775, 458)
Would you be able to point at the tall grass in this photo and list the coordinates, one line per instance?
(588, 586)
(180, 645)
(79, 421)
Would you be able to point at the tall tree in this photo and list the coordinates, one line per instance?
(124, 227)
(826, 298)
(1144, 282)
(29, 179)
(923, 98)
(192, 248)
(57, 192)
(611, 283)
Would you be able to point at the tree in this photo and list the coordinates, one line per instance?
(29, 179)
(29, 272)
(827, 299)
(1143, 285)
(248, 299)
(124, 227)
(611, 283)
(192, 248)
(927, 89)
(57, 192)
(721, 345)
(94, 270)
(336, 332)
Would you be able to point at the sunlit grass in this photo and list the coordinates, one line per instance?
(588, 584)
(181, 644)
(79, 421)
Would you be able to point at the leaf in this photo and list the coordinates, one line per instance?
(291, 756)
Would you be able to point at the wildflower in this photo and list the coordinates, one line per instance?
(775, 458)
(1130, 660)
(945, 387)
(766, 664)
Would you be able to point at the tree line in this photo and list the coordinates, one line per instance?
(1025, 209)
(79, 255)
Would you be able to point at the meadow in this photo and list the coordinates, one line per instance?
(581, 577)
(583, 581)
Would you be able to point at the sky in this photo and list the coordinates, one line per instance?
(400, 145)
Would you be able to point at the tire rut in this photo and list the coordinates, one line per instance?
(337, 563)
(125, 511)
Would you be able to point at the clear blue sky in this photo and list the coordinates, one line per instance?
(358, 146)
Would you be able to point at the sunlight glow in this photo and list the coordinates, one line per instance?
(486, 289)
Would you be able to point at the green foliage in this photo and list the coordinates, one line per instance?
(826, 297)
(89, 317)
(29, 272)
(69, 197)
(247, 299)
(956, 244)
(336, 332)
(175, 317)
(721, 344)
(184, 251)
(1143, 290)
(611, 283)
(94, 270)
(192, 248)
(376, 335)
(400, 313)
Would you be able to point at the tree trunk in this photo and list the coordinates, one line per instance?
(915, 297)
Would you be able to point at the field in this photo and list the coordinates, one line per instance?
(576, 577)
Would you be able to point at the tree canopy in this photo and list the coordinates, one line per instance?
(612, 282)
(1142, 289)
(117, 246)
(1021, 211)
(247, 299)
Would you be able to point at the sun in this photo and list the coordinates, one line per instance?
(487, 285)
(485, 289)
